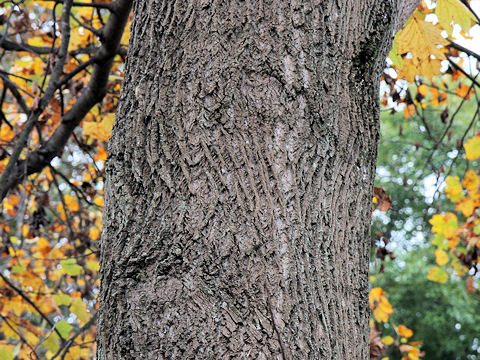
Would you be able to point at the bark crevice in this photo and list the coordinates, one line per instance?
(239, 184)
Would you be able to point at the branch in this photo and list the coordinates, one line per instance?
(459, 68)
(94, 93)
(10, 85)
(27, 299)
(464, 49)
(42, 103)
(78, 70)
(64, 348)
(108, 6)
(14, 46)
(19, 335)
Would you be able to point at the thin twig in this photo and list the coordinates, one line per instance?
(64, 348)
(27, 299)
(42, 103)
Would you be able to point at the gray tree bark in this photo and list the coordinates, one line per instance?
(240, 175)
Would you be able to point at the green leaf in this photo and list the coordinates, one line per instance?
(71, 267)
(440, 242)
(79, 309)
(93, 265)
(437, 275)
(63, 328)
(62, 299)
(477, 229)
(6, 353)
(394, 55)
(17, 269)
(51, 343)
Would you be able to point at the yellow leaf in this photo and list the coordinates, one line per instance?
(79, 308)
(36, 41)
(403, 331)
(441, 258)
(93, 265)
(9, 330)
(423, 89)
(425, 67)
(94, 233)
(454, 188)
(80, 37)
(42, 247)
(421, 39)
(466, 206)
(71, 203)
(98, 201)
(444, 224)
(430, 68)
(46, 4)
(99, 130)
(449, 11)
(437, 275)
(387, 340)
(382, 308)
(471, 182)
(126, 34)
(25, 230)
(472, 148)
(14, 304)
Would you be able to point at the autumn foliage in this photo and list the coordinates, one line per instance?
(55, 59)
(427, 59)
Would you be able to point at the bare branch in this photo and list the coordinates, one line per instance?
(11, 45)
(28, 300)
(64, 348)
(108, 6)
(94, 93)
(43, 102)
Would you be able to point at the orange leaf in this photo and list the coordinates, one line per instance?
(404, 331)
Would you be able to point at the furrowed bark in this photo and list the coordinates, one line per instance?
(239, 181)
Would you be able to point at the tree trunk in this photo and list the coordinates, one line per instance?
(239, 180)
